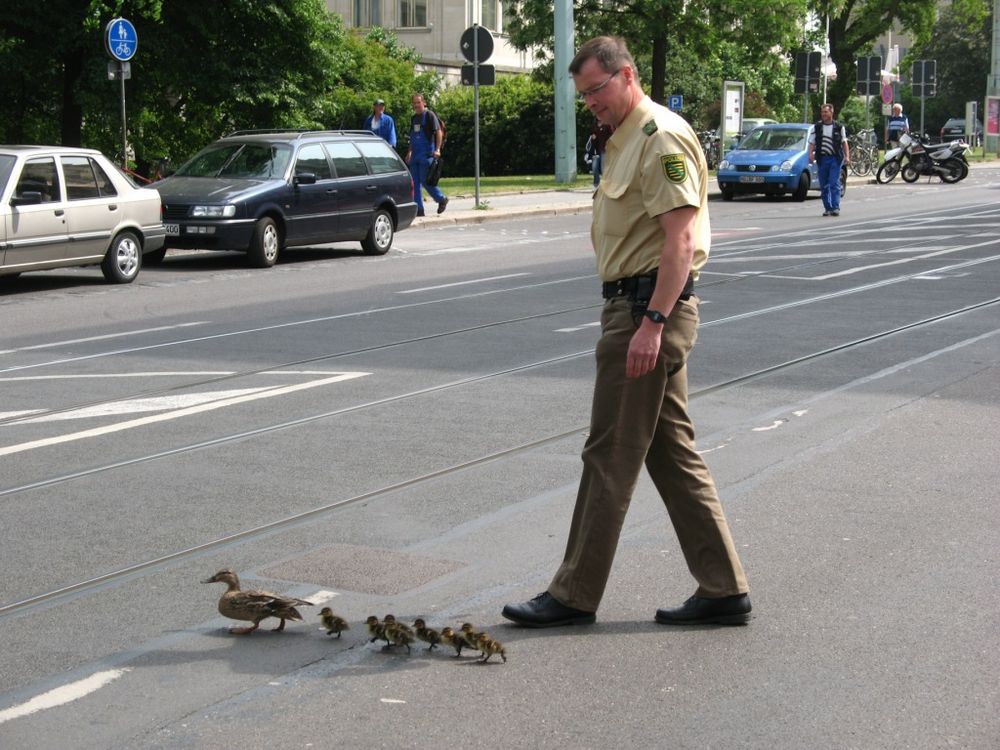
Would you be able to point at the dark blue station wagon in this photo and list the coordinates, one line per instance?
(260, 191)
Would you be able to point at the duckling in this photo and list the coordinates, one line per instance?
(399, 634)
(376, 629)
(471, 636)
(426, 634)
(488, 646)
(391, 620)
(332, 623)
(453, 639)
(254, 605)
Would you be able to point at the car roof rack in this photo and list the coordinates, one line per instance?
(298, 132)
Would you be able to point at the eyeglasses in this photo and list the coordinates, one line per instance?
(597, 89)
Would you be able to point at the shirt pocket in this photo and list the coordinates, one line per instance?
(611, 209)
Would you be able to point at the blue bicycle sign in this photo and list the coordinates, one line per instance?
(121, 39)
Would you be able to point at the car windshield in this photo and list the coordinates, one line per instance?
(250, 161)
(6, 165)
(774, 139)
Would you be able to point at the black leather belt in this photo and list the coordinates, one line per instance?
(641, 287)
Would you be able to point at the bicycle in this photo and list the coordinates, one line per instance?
(864, 152)
(711, 146)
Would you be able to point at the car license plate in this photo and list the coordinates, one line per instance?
(752, 178)
(173, 230)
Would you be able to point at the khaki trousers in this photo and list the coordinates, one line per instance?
(637, 421)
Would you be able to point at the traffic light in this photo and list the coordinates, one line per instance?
(924, 78)
(807, 65)
(869, 75)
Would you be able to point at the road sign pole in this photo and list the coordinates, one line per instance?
(475, 100)
(121, 80)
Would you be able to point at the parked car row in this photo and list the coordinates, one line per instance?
(253, 191)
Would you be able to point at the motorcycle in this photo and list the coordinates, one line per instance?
(911, 158)
(946, 160)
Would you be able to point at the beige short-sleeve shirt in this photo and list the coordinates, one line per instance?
(653, 164)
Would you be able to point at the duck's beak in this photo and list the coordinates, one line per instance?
(209, 580)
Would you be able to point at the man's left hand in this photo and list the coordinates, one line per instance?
(643, 350)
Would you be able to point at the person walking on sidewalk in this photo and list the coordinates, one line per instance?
(898, 124)
(381, 124)
(828, 147)
(651, 236)
(600, 135)
(425, 147)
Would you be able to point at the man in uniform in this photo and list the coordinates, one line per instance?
(651, 236)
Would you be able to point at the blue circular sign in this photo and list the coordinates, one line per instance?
(121, 39)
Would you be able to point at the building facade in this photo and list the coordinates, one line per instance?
(434, 27)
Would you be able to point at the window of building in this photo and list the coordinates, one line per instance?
(367, 12)
(412, 13)
(491, 14)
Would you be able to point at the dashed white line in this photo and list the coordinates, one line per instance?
(462, 283)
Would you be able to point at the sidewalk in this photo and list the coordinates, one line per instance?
(493, 206)
(496, 206)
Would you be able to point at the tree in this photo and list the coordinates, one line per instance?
(690, 44)
(960, 43)
(856, 24)
(199, 73)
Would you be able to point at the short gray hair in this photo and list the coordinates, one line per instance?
(610, 51)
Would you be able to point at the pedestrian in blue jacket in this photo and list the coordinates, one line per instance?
(381, 124)
(426, 137)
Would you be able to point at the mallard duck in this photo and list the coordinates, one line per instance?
(453, 639)
(332, 622)
(426, 634)
(399, 635)
(489, 646)
(254, 605)
(376, 629)
(471, 636)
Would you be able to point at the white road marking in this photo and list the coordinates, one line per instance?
(183, 373)
(774, 425)
(102, 338)
(861, 269)
(321, 597)
(577, 328)
(462, 283)
(391, 700)
(62, 695)
(178, 413)
(139, 405)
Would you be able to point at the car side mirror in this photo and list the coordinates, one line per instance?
(27, 198)
(305, 178)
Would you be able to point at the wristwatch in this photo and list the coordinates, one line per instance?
(656, 316)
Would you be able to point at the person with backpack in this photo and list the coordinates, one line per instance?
(426, 137)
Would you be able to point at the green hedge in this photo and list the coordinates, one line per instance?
(516, 128)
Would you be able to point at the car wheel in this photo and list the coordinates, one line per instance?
(909, 173)
(803, 189)
(727, 192)
(154, 258)
(265, 243)
(380, 234)
(124, 258)
(887, 172)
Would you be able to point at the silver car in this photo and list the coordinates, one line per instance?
(63, 207)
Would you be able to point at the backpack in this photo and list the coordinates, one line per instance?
(441, 126)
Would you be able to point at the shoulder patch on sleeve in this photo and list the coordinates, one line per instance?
(649, 128)
(674, 167)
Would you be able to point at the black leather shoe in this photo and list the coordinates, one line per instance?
(442, 206)
(729, 610)
(544, 611)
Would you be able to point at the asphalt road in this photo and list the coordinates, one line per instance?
(402, 434)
